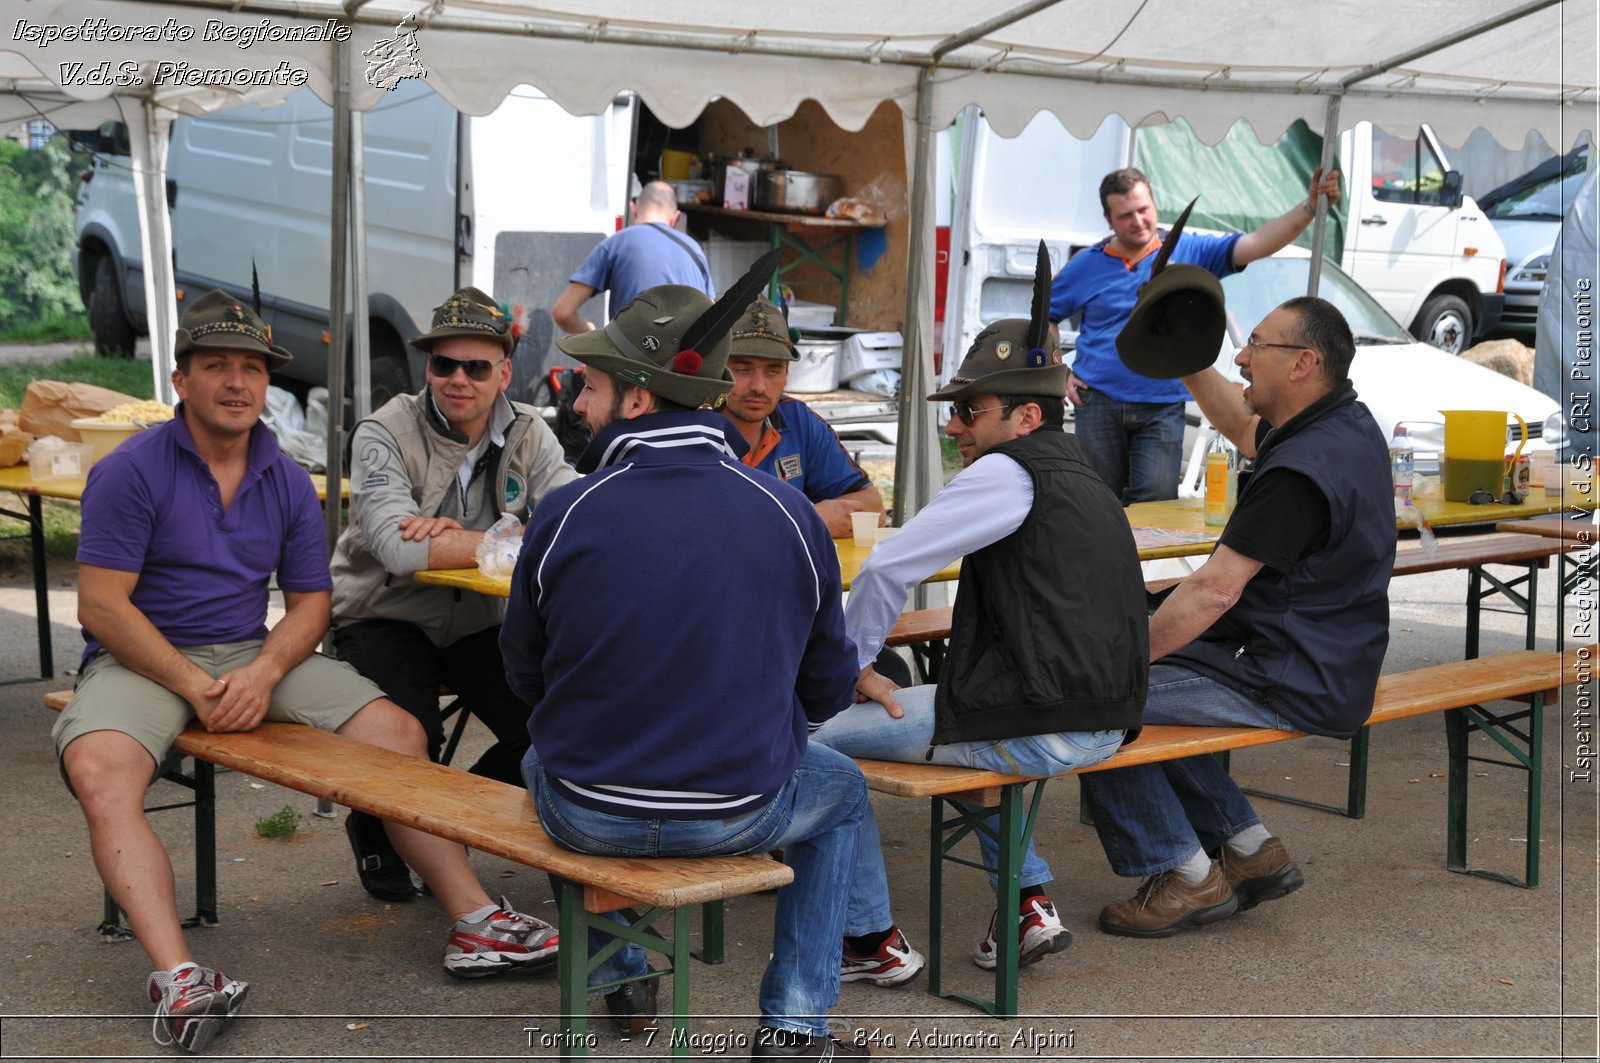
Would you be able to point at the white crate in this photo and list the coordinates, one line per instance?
(867, 352)
(807, 315)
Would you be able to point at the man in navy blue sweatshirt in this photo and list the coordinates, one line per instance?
(670, 718)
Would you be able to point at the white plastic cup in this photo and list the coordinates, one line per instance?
(864, 526)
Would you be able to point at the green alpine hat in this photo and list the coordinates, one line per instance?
(219, 321)
(763, 333)
(469, 312)
(673, 341)
(1017, 356)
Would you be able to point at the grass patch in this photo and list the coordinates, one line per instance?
(62, 521)
(63, 328)
(119, 374)
(280, 825)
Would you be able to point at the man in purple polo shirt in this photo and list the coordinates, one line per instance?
(183, 526)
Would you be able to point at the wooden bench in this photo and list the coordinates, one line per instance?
(499, 819)
(1459, 690)
(921, 629)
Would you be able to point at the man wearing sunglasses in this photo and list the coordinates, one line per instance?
(429, 474)
(1046, 666)
(1284, 626)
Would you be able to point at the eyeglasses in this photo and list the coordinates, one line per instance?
(476, 368)
(968, 415)
(1253, 342)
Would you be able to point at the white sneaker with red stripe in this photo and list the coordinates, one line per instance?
(895, 962)
(505, 941)
(1040, 932)
(193, 1006)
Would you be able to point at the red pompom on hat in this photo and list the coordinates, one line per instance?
(687, 362)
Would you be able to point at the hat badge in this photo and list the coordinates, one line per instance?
(1002, 350)
(650, 343)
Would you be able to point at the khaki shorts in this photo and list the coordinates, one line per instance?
(319, 691)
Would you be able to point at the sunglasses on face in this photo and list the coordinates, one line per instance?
(476, 368)
(968, 414)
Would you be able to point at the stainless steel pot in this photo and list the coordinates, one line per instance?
(796, 191)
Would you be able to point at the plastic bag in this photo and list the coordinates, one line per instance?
(497, 554)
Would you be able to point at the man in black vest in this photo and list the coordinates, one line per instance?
(1285, 625)
(1047, 668)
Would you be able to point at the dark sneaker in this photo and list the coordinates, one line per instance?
(1165, 904)
(193, 1007)
(383, 874)
(1039, 931)
(633, 1007)
(1265, 875)
(507, 940)
(773, 1043)
(895, 962)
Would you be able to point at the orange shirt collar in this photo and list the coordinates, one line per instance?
(1130, 263)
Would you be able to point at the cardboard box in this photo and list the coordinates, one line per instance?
(736, 188)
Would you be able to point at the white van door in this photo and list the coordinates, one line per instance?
(1401, 233)
(1009, 194)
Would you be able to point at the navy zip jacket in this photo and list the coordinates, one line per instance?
(676, 624)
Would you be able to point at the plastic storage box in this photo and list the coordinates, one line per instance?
(867, 352)
(70, 461)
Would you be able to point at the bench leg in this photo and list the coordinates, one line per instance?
(1355, 803)
(1525, 744)
(1521, 604)
(1015, 829)
(574, 964)
(201, 780)
(712, 936)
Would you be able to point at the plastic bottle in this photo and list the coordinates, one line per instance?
(1222, 479)
(1402, 465)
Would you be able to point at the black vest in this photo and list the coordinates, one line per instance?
(1310, 643)
(1049, 632)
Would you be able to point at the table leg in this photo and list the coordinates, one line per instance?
(41, 585)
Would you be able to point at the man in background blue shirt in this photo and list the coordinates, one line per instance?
(1130, 426)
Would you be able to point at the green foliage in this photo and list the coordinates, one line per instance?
(281, 824)
(36, 235)
(119, 374)
(60, 328)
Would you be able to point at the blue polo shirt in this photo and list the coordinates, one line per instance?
(643, 256)
(803, 450)
(1105, 286)
(152, 507)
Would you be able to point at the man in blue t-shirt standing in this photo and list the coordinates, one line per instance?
(1130, 426)
(647, 253)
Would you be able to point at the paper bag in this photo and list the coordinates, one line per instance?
(50, 406)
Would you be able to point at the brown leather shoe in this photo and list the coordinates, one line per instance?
(1165, 904)
(1265, 875)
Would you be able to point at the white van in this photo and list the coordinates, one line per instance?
(510, 202)
(1421, 248)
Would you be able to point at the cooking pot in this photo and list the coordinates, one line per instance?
(796, 191)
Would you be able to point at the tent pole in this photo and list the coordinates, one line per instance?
(149, 146)
(339, 231)
(360, 329)
(1319, 230)
(916, 466)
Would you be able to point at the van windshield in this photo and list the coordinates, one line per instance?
(1255, 292)
(1546, 202)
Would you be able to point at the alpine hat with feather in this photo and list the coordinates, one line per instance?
(1177, 325)
(1015, 356)
(218, 321)
(673, 341)
(468, 312)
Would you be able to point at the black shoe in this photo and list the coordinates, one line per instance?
(633, 1007)
(773, 1043)
(383, 873)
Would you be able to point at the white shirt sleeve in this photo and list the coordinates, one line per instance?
(986, 502)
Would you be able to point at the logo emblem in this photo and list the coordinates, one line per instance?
(392, 60)
(1002, 350)
(650, 343)
(516, 487)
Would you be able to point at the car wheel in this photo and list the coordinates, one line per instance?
(1445, 323)
(113, 332)
(390, 375)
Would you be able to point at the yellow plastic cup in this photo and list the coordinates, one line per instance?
(1475, 452)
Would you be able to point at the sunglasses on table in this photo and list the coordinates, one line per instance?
(475, 368)
(968, 413)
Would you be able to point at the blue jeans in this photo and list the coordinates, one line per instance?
(1136, 447)
(1153, 817)
(814, 819)
(865, 730)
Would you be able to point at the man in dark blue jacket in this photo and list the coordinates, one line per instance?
(1284, 626)
(669, 718)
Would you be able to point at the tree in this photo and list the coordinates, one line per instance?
(36, 235)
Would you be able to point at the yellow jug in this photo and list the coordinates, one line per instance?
(1475, 452)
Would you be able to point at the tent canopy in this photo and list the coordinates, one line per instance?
(1534, 67)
